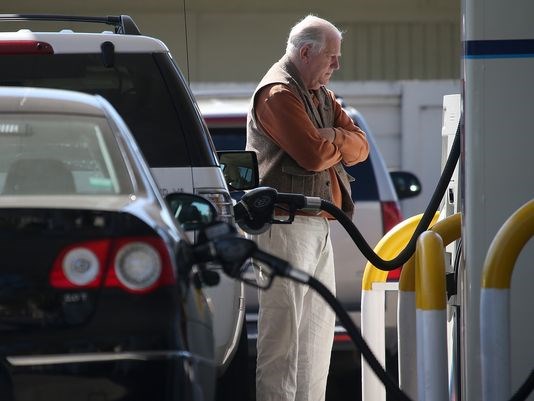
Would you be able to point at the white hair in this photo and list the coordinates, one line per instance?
(310, 31)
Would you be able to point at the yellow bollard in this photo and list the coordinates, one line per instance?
(449, 230)
(373, 302)
(431, 318)
(495, 302)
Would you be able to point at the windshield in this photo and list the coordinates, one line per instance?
(60, 154)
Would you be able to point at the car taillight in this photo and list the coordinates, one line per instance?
(25, 47)
(222, 201)
(134, 264)
(391, 216)
(140, 265)
(342, 338)
(80, 265)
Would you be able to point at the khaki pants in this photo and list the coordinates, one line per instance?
(295, 325)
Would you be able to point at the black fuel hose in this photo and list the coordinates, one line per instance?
(423, 225)
(390, 384)
(525, 389)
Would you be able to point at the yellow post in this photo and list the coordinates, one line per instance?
(431, 318)
(449, 230)
(373, 302)
(495, 301)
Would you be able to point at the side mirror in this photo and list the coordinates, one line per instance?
(240, 169)
(406, 184)
(193, 212)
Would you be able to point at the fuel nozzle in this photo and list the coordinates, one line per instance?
(254, 212)
(221, 244)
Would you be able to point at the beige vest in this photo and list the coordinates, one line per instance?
(277, 169)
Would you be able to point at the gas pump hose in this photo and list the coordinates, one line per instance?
(423, 225)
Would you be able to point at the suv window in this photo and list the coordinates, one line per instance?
(363, 188)
(134, 86)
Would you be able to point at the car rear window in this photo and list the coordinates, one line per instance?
(134, 86)
(363, 188)
(45, 154)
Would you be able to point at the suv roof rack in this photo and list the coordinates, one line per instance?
(123, 24)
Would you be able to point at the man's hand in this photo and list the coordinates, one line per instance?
(327, 133)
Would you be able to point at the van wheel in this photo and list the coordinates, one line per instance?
(233, 385)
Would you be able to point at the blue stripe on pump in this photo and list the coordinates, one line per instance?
(516, 48)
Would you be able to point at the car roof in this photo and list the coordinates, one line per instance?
(223, 107)
(235, 103)
(42, 100)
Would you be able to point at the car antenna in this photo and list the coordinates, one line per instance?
(186, 42)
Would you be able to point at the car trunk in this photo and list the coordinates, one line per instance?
(40, 316)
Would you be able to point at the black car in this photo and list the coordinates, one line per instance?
(97, 294)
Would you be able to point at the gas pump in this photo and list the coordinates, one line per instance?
(496, 173)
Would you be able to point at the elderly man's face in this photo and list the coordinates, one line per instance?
(320, 66)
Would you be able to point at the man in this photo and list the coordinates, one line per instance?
(302, 138)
